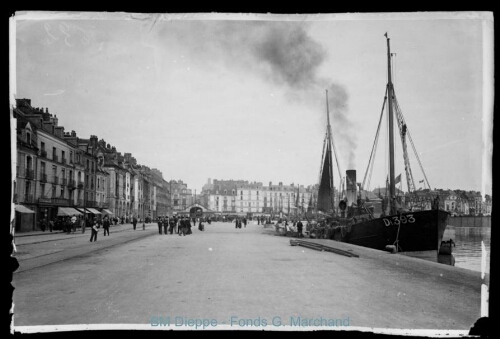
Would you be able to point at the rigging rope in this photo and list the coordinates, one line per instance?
(411, 142)
(335, 152)
(369, 169)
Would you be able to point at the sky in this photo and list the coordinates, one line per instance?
(244, 97)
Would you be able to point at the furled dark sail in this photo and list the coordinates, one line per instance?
(325, 193)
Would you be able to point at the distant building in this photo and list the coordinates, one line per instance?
(241, 197)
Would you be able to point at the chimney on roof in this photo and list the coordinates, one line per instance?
(59, 131)
(73, 133)
(93, 140)
(46, 110)
(270, 183)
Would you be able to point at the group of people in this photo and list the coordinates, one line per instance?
(179, 225)
(95, 225)
(239, 221)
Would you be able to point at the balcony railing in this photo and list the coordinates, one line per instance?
(43, 153)
(43, 177)
(91, 203)
(105, 205)
(64, 181)
(56, 180)
(71, 184)
(80, 184)
(30, 174)
(54, 157)
(63, 161)
(28, 198)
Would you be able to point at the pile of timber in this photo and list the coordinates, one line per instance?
(320, 247)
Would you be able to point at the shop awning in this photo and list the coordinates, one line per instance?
(93, 211)
(22, 209)
(67, 211)
(75, 211)
(105, 211)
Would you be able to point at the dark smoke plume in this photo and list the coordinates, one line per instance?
(284, 53)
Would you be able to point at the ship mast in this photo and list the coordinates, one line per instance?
(329, 154)
(390, 90)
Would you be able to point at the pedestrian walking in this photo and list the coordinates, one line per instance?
(134, 222)
(299, 229)
(182, 226)
(201, 227)
(95, 227)
(51, 225)
(68, 225)
(160, 225)
(165, 225)
(245, 222)
(171, 224)
(188, 226)
(43, 224)
(105, 225)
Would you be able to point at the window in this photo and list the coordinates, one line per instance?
(42, 189)
(42, 146)
(54, 191)
(54, 153)
(28, 138)
(62, 192)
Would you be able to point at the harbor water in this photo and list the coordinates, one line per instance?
(469, 243)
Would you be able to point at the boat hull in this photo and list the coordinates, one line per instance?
(418, 231)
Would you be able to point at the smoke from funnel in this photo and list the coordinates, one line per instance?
(283, 53)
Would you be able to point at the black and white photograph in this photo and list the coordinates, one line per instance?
(251, 172)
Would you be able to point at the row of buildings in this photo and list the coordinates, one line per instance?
(457, 202)
(58, 173)
(240, 197)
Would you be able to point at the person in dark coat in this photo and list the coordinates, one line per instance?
(299, 229)
(188, 226)
(160, 225)
(165, 225)
(201, 227)
(181, 227)
(245, 222)
(134, 221)
(95, 227)
(171, 224)
(105, 225)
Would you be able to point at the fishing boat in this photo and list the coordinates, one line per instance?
(352, 219)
